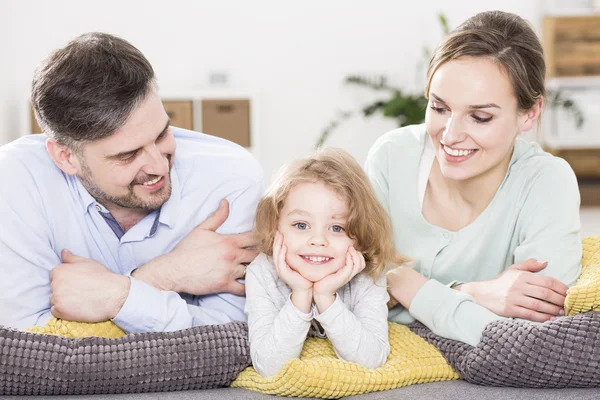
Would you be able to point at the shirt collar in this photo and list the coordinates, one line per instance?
(168, 212)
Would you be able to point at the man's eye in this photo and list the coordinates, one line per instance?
(337, 229)
(301, 225)
(129, 157)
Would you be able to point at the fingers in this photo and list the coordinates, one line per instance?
(68, 257)
(216, 219)
(545, 294)
(531, 265)
(237, 288)
(358, 259)
(525, 313)
(240, 271)
(540, 306)
(248, 239)
(547, 282)
(247, 255)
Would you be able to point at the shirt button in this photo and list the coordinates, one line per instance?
(447, 235)
(98, 207)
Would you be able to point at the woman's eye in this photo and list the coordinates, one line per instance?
(301, 225)
(481, 120)
(438, 110)
(337, 229)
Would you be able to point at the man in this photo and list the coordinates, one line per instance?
(112, 215)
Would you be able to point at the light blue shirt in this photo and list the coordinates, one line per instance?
(534, 214)
(43, 210)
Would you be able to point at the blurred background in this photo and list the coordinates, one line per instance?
(282, 78)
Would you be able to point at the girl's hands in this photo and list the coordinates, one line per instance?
(302, 289)
(324, 290)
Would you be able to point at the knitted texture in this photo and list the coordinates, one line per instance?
(71, 329)
(585, 295)
(320, 373)
(557, 354)
(197, 358)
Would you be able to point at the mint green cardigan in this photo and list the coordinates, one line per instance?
(534, 214)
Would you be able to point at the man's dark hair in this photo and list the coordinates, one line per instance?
(87, 90)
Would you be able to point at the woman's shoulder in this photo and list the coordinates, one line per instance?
(534, 164)
(402, 140)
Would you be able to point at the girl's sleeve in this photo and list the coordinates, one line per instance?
(360, 335)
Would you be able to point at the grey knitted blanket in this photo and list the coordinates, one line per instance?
(558, 354)
(197, 358)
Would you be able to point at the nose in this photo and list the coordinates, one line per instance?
(454, 131)
(156, 162)
(318, 239)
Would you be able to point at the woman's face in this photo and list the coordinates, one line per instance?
(472, 118)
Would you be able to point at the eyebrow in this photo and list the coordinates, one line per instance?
(299, 212)
(476, 106)
(126, 153)
(307, 214)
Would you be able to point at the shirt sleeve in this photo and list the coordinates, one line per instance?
(148, 309)
(547, 229)
(361, 335)
(276, 328)
(26, 252)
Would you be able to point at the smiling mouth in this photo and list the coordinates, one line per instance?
(316, 259)
(457, 152)
(153, 181)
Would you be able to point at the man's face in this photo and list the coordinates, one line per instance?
(130, 169)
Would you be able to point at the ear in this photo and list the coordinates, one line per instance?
(529, 118)
(63, 157)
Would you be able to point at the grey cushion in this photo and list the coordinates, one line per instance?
(197, 358)
(564, 353)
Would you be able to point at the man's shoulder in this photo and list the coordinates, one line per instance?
(208, 154)
(27, 154)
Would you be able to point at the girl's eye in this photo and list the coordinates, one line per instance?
(481, 120)
(301, 225)
(337, 229)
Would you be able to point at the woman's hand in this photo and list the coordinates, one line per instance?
(520, 293)
(302, 289)
(403, 284)
(324, 290)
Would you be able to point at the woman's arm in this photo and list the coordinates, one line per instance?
(548, 258)
(361, 335)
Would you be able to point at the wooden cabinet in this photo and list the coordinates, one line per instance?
(572, 45)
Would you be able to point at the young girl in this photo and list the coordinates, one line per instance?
(325, 243)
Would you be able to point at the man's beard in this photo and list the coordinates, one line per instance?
(130, 200)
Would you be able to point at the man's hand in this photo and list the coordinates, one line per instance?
(204, 261)
(519, 292)
(85, 290)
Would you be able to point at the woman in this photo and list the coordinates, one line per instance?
(491, 220)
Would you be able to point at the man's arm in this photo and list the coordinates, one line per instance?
(204, 262)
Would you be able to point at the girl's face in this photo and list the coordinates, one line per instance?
(313, 225)
(472, 118)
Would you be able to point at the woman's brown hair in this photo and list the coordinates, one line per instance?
(505, 38)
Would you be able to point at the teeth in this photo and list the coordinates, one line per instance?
(152, 182)
(317, 259)
(456, 153)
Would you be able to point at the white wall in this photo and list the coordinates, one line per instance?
(293, 55)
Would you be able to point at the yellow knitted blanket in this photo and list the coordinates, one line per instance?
(319, 373)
